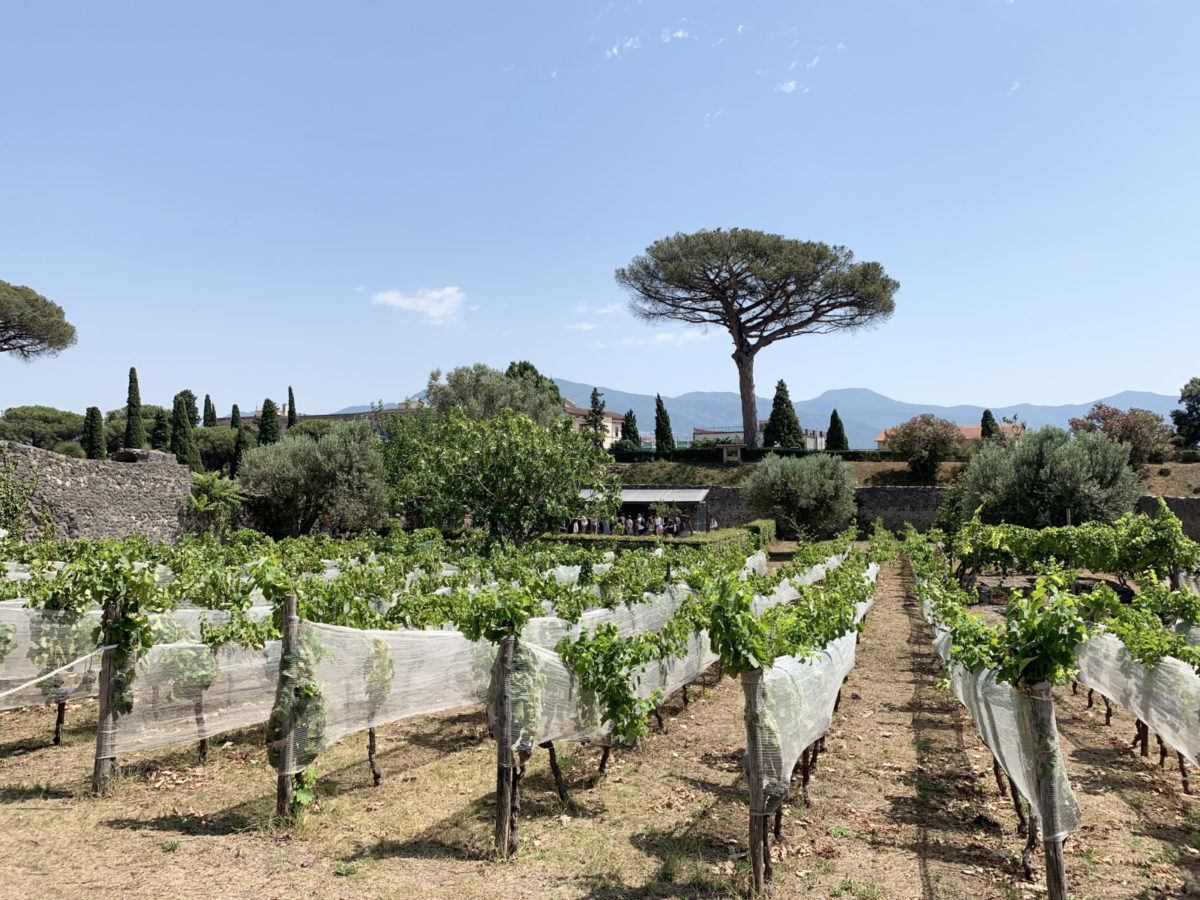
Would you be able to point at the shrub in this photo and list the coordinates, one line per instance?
(296, 482)
(93, 434)
(1047, 478)
(1187, 456)
(1164, 471)
(1145, 433)
(71, 449)
(216, 446)
(925, 441)
(762, 531)
(810, 496)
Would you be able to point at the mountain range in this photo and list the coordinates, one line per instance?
(864, 412)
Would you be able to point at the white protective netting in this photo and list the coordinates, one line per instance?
(794, 699)
(1020, 730)
(34, 642)
(548, 703)
(1166, 696)
(368, 678)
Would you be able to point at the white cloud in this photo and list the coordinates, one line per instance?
(815, 60)
(581, 308)
(718, 42)
(625, 44)
(740, 27)
(841, 45)
(582, 326)
(439, 306)
(679, 338)
(677, 35)
(673, 338)
(360, 290)
(611, 308)
(598, 345)
(786, 87)
(710, 117)
(1014, 87)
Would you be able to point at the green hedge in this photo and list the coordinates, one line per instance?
(763, 532)
(722, 537)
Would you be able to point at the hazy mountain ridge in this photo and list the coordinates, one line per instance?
(864, 412)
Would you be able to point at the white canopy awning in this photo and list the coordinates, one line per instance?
(657, 495)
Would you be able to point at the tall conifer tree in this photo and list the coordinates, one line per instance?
(93, 434)
(783, 427)
(629, 428)
(182, 445)
(235, 418)
(593, 422)
(268, 423)
(210, 412)
(291, 417)
(135, 430)
(835, 437)
(240, 446)
(664, 439)
(160, 431)
(988, 429)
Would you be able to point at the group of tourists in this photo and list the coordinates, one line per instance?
(649, 525)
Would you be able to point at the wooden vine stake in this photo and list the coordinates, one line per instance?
(106, 727)
(505, 770)
(760, 833)
(287, 745)
(1042, 701)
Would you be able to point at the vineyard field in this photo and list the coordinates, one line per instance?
(904, 806)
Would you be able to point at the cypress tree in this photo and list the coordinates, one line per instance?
(210, 412)
(93, 434)
(135, 431)
(240, 446)
(291, 418)
(835, 437)
(783, 427)
(629, 428)
(593, 422)
(268, 423)
(664, 440)
(189, 403)
(988, 429)
(160, 431)
(182, 445)
(235, 418)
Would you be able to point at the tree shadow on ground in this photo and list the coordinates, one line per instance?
(33, 792)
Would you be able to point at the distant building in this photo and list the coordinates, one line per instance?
(969, 433)
(612, 422)
(813, 440)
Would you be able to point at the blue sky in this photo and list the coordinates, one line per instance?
(341, 197)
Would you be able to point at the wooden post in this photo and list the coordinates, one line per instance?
(376, 774)
(287, 747)
(106, 727)
(760, 829)
(1043, 717)
(504, 747)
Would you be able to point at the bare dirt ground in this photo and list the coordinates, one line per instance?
(903, 806)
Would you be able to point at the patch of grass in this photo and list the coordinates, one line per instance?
(1137, 801)
(1167, 856)
(839, 831)
(345, 868)
(848, 886)
(170, 846)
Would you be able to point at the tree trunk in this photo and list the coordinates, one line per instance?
(376, 775)
(745, 367)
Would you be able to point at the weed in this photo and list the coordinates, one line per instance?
(345, 868)
(1168, 856)
(839, 831)
(170, 846)
(1137, 801)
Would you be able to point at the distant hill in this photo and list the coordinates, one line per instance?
(864, 413)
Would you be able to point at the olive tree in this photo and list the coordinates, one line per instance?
(808, 496)
(296, 481)
(760, 287)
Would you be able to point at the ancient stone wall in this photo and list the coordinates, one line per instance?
(1186, 508)
(897, 505)
(101, 498)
